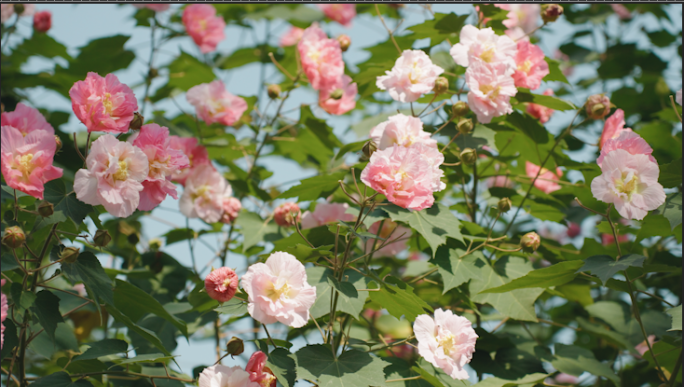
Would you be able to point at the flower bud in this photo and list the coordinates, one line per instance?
(69, 254)
(530, 242)
(46, 209)
(468, 156)
(155, 244)
(460, 109)
(337, 94)
(273, 91)
(235, 346)
(441, 85)
(287, 214)
(551, 12)
(137, 122)
(369, 148)
(153, 73)
(14, 237)
(102, 238)
(504, 205)
(465, 125)
(598, 106)
(58, 143)
(19, 9)
(345, 42)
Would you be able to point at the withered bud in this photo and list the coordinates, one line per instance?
(469, 156)
(345, 42)
(465, 125)
(137, 122)
(14, 237)
(273, 91)
(551, 12)
(46, 209)
(102, 238)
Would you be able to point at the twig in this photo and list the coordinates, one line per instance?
(391, 34)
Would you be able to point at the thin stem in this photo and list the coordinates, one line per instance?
(280, 67)
(217, 339)
(675, 108)
(675, 371)
(391, 34)
(78, 151)
(269, 336)
(296, 224)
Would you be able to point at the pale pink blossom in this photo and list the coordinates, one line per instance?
(197, 155)
(413, 75)
(3, 314)
(542, 113)
(340, 105)
(630, 183)
(213, 103)
(203, 26)
(447, 341)
(563, 379)
(114, 177)
(222, 376)
(156, 7)
(7, 11)
(278, 291)
(26, 119)
(291, 37)
(203, 195)
(401, 130)
(321, 57)
(231, 209)
(678, 97)
(42, 21)
(326, 213)
(524, 16)
(27, 161)
(613, 127)
(406, 176)
(483, 45)
(531, 66)
(398, 236)
(516, 34)
(500, 181)
(258, 372)
(629, 141)
(642, 347)
(622, 11)
(163, 160)
(546, 182)
(341, 13)
(103, 104)
(491, 89)
(221, 284)
(287, 214)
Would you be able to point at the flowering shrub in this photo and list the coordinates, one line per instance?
(472, 216)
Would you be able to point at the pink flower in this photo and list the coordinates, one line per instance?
(214, 103)
(8, 10)
(343, 104)
(114, 177)
(546, 181)
(524, 16)
(42, 21)
(542, 113)
(483, 45)
(531, 66)
(231, 209)
(413, 75)
(3, 314)
(153, 6)
(278, 291)
(447, 341)
(220, 376)
(163, 160)
(491, 89)
(203, 26)
(197, 155)
(389, 230)
(221, 284)
(401, 130)
(291, 37)
(321, 57)
(613, 127)
(563, 378)
(630, 182)
(258, 372)
(26, 119)
(629, 141)
(287, 214)
(642, 347)
(103, 104)
(326, 213)
(27, 161)
(203, 195)
(609, 239)
(622, 11)
(406, 176)
(341, 13)
(574, 230)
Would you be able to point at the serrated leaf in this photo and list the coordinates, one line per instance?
(187, 71)
(89, 270)
(434, 224)
(671, 174)
(555, 73)
(352, 368)
(576, 360)
(103, 56)
(351, 147)
(253, 228)
(672, 209)
(103, 348)
(46, 308)
(454, 270)
(56, 193)
(605, 267)
(676, 314)
(315, 187)
(530, 126)
(350, 299)
(284, 366)
(558, 274)
(144, 333)
(399, 300)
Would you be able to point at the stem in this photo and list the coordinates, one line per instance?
(148, 78)
(391, 34)
(474, 196)
(269, 336)
(217, 339)
(78, 150)
(675, 371)
(675, 108)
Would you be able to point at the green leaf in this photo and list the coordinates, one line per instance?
(548, 101)
(103, 348)
(350, 300)
(103, 56)
(676, 314)
(352, 368)
(304, 253)
(671, 174)
(8, 263)
(254, 228)
(66, 202)
(60, 379)
(318, 127)
(605, 267)
(315, 187)
(22, 298)
(233, 307)
(283, 365)
(554, 275)
(247, 55)
(46, 308)
(555, 73)
(526, 380)
(434, 223)
(144, 333)
(351, 147)
(147, 358)
(187, 71)
(575, 360)
(454, 270)
(530, 126)
(43, 45)
(398, 298)
(443, 26)
(89, 270)
(672, 209)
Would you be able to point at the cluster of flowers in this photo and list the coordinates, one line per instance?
(255, 374)
(42, 20)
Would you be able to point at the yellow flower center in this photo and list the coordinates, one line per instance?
(414, 75)
(201, 192)
(627, 185)
(525, 66)
(447, 342)
(274, 292)
(485, 89)
(122, 173)
(107, 104)
(24, 165)
(226, 283)
(488, 54)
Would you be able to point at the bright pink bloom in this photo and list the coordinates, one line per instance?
(524, 16)
(278, 291)
(609, 239)
(222, 376)
(3, 314)
(447, 341)
(203, 26)
(343, 104)
(622, 11)
(341, 13)
(231, 209)
(103, 104)
(153, 6)
(8, 10)
(401, 130)
(642, 347)
(491, 89)
(287, 214)
(630, 182)
(390, 230)
(413, 75)
(531, 66)
(221, 284)
(321, 57)
(326, 213)
(27, 161)
(629, 141)
(114, 177)
(197, 155)
(406, 176)
(574, 230)
(291, 37)
(26, 119)
(546, 181)
(258, 372)
(42, 21)
(483, 45)
(542, 113)
(164, 161)
(203, 195)
(213, 103)
(613, 127)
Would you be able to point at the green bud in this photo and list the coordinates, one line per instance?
(155, 244)
(504, 205)
(137, 122)
(530, 242)
(102, 238)
(465, 125)
(345, 42)
(19, 9)
(273, 91)
(468, 156)
(235, 346)
(460, 109)
(69, 254)
(441, 85)
(369, 148)
(14, 237)
(58, 143)
(337, 94)
(133, 238)
(46, 209)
